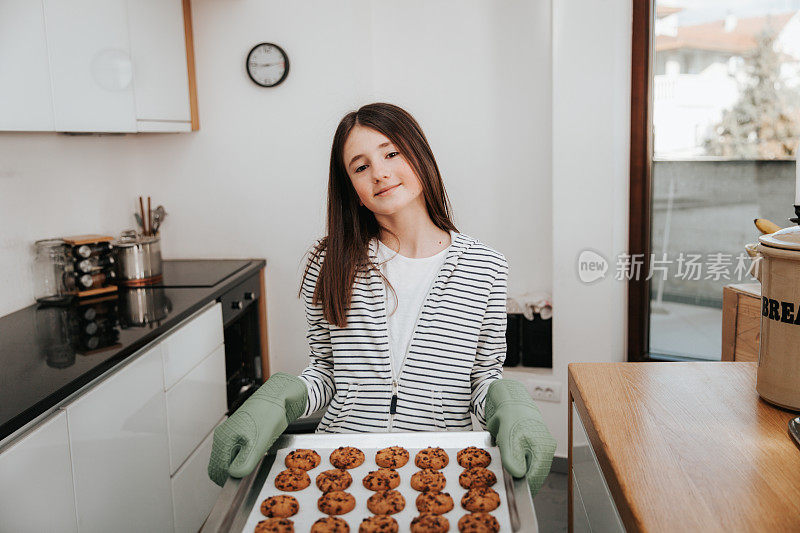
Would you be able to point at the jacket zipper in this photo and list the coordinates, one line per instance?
(396, 376)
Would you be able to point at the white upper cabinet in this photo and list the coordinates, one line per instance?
(94, 66)
(158, 45)
(90, 65)
(26, 102)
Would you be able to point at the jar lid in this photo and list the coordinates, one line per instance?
(129, 238)
(49, 242)
(786, 239)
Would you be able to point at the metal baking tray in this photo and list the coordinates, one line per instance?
(238, 505)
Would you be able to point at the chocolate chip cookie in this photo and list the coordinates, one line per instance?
(428, 479)
(478, 523)
(477, 476)
(430, 523)
(280, 506)
(292, 479)
(386, 502)
(334, 480)
(435, 458)
(378, 524)
(336, 502)
(382, 479)
(330, 524)
(391, 457)
(302, 459)
(472, 456)
(346, 457)
(482, 499)
(275, 525)
(434, 502)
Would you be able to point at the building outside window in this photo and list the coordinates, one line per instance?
(726, 125)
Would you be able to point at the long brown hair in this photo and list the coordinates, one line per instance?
(351, 226)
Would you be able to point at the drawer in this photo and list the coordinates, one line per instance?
(193, 493)
(192, 343)
(194, 406)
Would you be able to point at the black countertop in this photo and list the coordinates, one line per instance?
(48, 353)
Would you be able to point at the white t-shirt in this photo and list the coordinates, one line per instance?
(411, 279)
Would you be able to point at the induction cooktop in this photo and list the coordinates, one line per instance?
(180, 273)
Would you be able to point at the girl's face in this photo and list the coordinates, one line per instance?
(381, 176)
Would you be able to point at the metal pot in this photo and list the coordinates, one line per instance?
(138, 259)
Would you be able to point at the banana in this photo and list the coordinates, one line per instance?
(766, 226)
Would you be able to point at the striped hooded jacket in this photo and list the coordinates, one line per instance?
(457, 349)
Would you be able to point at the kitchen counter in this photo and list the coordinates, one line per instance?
(684, 447)
(45, 355)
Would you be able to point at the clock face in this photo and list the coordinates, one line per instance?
(267, 64)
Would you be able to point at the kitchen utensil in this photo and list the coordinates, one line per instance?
(149, 218)
(777, 267)
(138, 259)
(141, 211)
(794, 429)
(139, 221)
(158, 216)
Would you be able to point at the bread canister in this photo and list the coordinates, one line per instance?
(138, 259)
(778, 270)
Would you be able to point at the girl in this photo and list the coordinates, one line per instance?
(406, 316)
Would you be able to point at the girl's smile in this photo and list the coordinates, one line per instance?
(388, 190)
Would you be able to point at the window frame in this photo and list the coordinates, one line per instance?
(641, 160)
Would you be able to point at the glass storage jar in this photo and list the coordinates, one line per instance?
(49, 266)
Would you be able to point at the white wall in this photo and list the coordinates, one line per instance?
(252, 181)
(478, 78)
(591, 138)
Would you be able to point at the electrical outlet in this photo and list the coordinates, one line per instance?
(538, 385)
(546, 391)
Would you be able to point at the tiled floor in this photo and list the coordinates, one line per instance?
(551, 504)
(686, 330)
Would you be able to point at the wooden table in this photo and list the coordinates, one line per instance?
(687, 446)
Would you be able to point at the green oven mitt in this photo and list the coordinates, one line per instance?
(526, 446)
(242, 440)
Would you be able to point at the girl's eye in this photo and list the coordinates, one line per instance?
(359, 169)
(392, 154)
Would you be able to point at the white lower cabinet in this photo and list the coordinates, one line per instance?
(120, 451)
(131, 452)
(193, 493)
(36, 492)
(194, 406)
(593, 506)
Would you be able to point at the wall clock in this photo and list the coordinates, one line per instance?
(267, 64)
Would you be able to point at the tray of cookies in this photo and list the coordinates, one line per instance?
(418, 482)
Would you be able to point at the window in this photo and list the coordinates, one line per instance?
(715, 127)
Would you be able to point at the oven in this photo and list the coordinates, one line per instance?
(242, 340)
